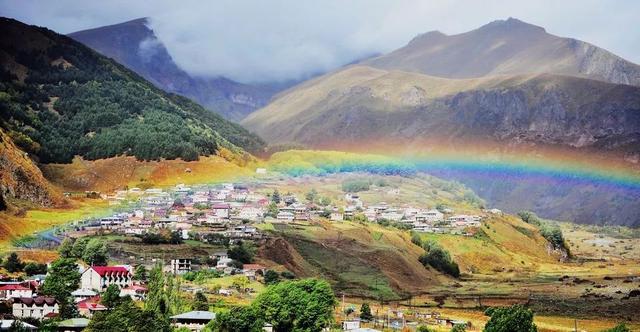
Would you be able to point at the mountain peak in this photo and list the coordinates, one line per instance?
(511, 24)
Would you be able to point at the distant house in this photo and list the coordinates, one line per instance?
(90, 306)
(250, 270)
(192, 320)
(73, 325)
(100, 277)
(285, 216)
(180, 266)
(221, 210)
(83, 294)
(12, 291)
(336, 216)
(350, 325)
(136, 292)
(34, 307)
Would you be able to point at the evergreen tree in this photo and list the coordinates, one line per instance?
(140, 273)
(66, 248)
(509, 319)
(95, 253)
(111, 296)
(275, 197)
(200, 302)
(13, 263)
(365, 312)
(63, 278)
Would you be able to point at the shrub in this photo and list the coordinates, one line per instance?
(439, 259)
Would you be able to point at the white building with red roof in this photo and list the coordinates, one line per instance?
(90, 306)
(12, 291)
(100, 277)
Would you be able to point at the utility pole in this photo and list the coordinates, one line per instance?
(575, 325)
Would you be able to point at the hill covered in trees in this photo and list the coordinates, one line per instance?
(58, 99)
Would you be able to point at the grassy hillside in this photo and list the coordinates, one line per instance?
(60, 99)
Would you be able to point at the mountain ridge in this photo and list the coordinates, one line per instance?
(507, 47)
(135, 45)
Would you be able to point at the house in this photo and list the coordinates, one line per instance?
(285, 216)
(336, 216)
(136, 292)
(223, 263)
(221, 210)
(220, 255)
(73, 325)
(250, 213)
(192, 320)
(225, 292)
(5, 325)
(100, 277)
(12, 291)
(82, 294)
(180, 266)
(90, 306)
(350, 325)
(267, 327)
(250, 270)
(34, 307)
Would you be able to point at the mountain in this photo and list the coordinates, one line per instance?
(506, 47)
(507, 84)
(135, 45)
(362, 104)
(60, 99)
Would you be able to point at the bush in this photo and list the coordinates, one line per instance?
(514, 318)
(439, 259)
(353, 186)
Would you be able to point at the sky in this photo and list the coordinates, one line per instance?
(265, 41)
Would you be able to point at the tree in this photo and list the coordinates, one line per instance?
(63, 278)
(111, 296)
(13, 263)
(303, 305)
(271, 277)
(140, 273)
(275, 197)
(240, 282)
(423, 328)
(439, 259)
(272, 210)
(365, 312)
(312, 195)
(242, 252)
(459, 328)
(127, 317)
(95, 253)
(238, 319)
(18, 326)
(78, 247)
(618, 328)
(415, 239)
(349, 310)
(200, 302)
(66, 248)
(33, 268)
(156, 301)
(508, 319)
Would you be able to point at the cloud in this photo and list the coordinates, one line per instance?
(277, 40)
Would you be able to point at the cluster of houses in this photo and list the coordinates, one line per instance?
(231, 210)
(399, 320)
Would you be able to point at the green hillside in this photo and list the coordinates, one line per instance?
(58, 98)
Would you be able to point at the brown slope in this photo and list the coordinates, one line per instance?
(509, 47)
(21, 179)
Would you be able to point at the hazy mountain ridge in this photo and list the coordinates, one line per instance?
(507, 47)
(135, 45)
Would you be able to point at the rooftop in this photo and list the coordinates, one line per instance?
(196, 315)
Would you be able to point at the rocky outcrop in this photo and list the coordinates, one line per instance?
(21, 179)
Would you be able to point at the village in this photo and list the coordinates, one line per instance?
(225, 213)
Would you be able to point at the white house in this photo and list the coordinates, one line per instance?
(12, 291)
(285, 216)
(83, 294)
(180, 266)
(34, 307)
(100, 277)
(336, 216)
